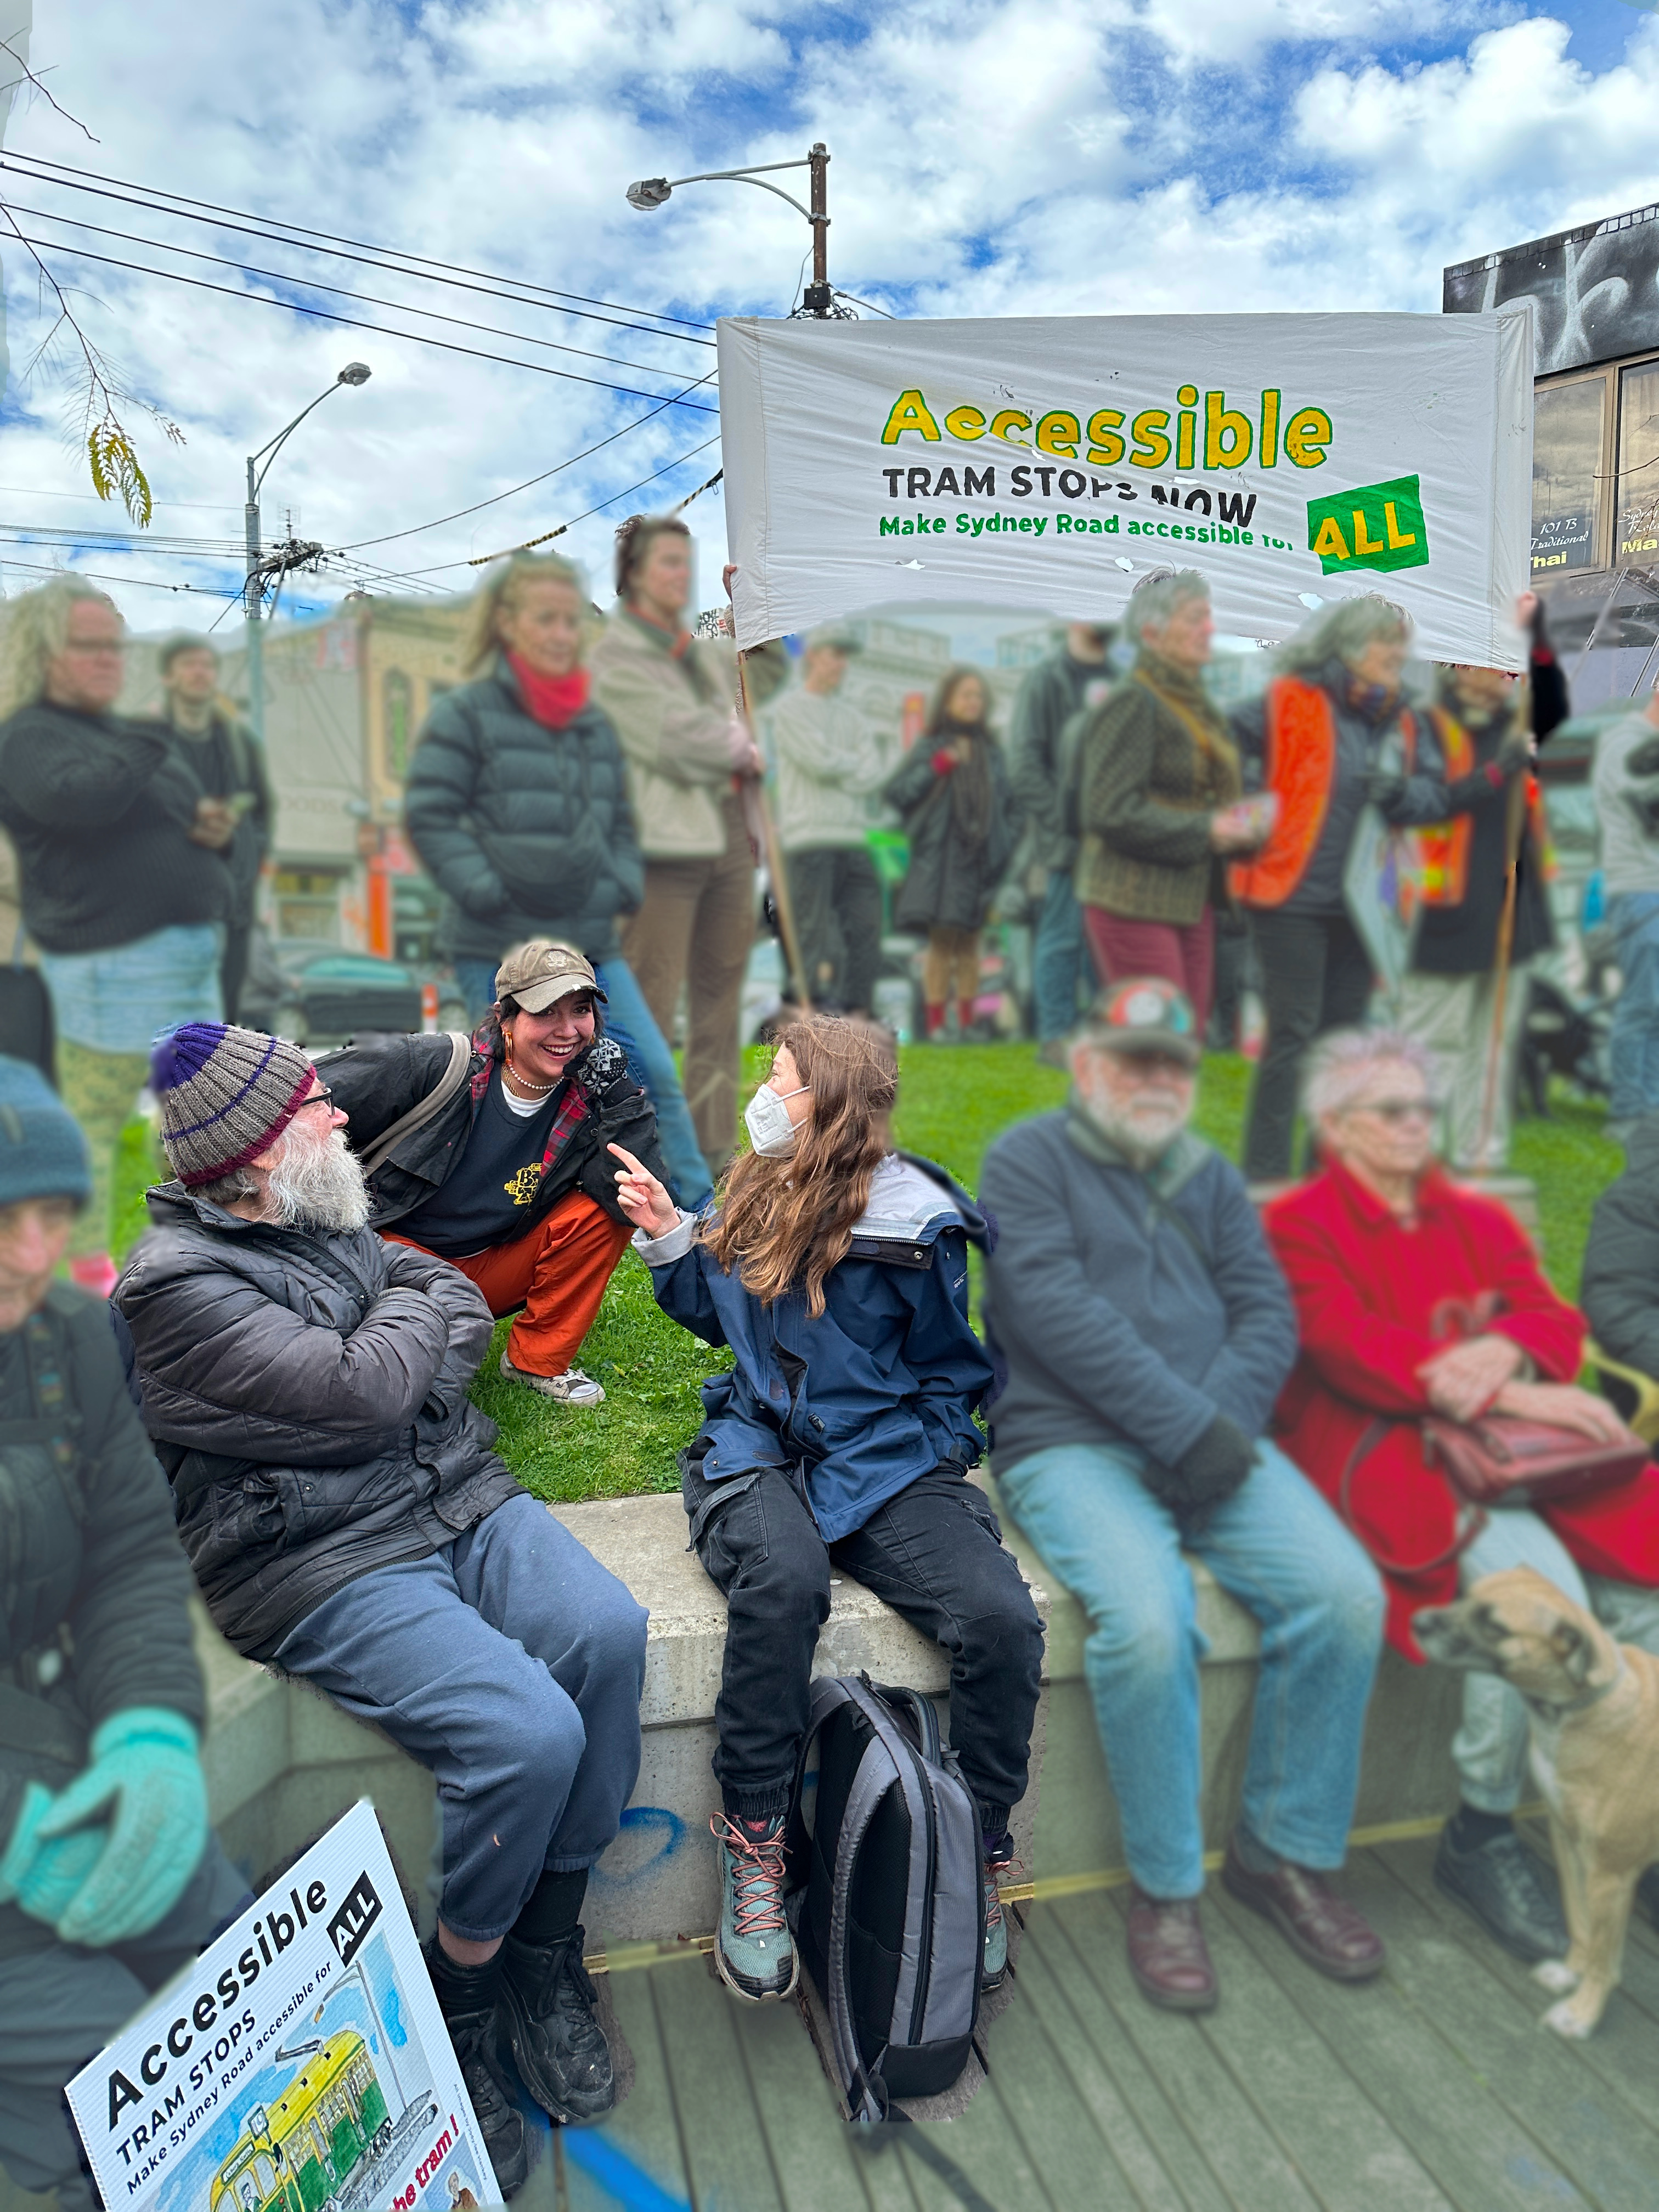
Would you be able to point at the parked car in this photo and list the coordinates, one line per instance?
(318, 995)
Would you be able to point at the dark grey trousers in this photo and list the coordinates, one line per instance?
(837, 898)
(60, 2006)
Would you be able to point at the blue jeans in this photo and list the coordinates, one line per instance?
(117, 1001)
(1058, 958)
(510, 1663)
(650, 1062)
(1491, 1747)
(1635, 1042)
(1279, 1548)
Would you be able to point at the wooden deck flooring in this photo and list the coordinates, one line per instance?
(1433, 2087)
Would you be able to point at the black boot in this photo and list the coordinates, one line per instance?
(558, 2047)
(1515, 1896)
(468, 1998)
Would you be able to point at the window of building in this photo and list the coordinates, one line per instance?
(398, 695)
(1637, 536)
(1569, 435)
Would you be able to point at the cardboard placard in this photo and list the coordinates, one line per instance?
(302, 2061)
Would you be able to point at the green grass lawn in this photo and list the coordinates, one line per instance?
(952, 1103)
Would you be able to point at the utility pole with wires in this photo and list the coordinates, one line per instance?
(290, 556)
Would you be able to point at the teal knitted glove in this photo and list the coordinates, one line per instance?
(146, 1779)
(41, 1879)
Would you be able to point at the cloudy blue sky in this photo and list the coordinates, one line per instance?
(991, 157)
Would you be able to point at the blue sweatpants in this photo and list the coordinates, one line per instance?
(510, 1663)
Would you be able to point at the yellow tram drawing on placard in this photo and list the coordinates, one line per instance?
(299, 2153)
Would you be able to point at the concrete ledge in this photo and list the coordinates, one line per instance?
(282, 1762)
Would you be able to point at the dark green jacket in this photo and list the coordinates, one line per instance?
(87, 1546)
(528, 831)
(1146, 789)
(1042, 738)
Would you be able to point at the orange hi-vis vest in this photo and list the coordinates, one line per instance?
(1443, 847)
(1299, 764)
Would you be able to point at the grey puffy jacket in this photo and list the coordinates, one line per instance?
(306, 1394)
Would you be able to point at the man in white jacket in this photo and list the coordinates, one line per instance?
(828, 763)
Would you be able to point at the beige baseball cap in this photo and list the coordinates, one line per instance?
(539, 973)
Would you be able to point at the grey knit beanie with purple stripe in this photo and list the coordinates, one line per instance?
(226, 1095)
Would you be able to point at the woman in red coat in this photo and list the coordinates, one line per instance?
(1380, 1250)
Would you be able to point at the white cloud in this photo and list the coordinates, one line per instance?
(991, 157)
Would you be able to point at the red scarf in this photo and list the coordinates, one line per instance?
(550, 700)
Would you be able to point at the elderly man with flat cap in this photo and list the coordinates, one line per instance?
(497, 1161)
(1146, 1331)
(830, 764)
(305, 1383)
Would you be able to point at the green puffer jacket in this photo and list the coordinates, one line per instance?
(94, 1583)
(527, 830)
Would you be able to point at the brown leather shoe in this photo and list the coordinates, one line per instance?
(1168, 1955)
(1309, 1915)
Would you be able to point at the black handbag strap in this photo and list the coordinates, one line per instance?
(1471, 1519)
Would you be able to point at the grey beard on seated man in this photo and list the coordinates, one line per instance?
(314, 1182)
(1140, 1107)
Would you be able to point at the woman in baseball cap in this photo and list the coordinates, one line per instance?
(505, 1173)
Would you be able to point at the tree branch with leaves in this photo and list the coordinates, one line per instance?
(101, 394)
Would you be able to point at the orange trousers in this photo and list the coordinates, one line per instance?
(557, 1274)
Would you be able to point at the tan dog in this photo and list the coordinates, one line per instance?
(1593, 1709)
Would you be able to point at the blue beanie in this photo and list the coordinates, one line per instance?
(42, 1152)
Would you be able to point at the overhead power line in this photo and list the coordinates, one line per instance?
(133, 583)
(482, 560)
(495, 498)
(357, 323)
(76, 180)
(335, 291)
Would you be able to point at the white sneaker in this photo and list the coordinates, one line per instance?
(573, 1387)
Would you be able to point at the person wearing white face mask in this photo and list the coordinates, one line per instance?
(836, 1270)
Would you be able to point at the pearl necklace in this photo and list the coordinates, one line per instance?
(517, 1082)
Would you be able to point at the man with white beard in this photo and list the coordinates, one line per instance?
(305, 1385)
(1145, 1332)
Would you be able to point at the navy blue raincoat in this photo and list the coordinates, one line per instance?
(880, 1389)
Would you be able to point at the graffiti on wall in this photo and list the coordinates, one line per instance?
(1594, 290)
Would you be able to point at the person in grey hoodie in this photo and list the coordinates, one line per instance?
(1145, 1331)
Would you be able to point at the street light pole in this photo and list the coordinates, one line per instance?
(817, 300)
(355, 373)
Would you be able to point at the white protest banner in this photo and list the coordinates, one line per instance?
(1049, 462)
(301, 2062)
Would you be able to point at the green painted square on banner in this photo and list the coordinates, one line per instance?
(1377, 525)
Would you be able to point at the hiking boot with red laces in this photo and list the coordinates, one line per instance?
(754, 1953)
(1001, 1871)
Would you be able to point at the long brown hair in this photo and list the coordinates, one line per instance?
(790, 1220)
(972, 796)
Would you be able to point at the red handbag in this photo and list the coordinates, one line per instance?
(1496, 1460)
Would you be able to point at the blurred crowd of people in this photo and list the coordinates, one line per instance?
(1171, 1361)
(611, 785)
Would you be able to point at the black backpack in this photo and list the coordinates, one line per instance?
(887, 1899)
